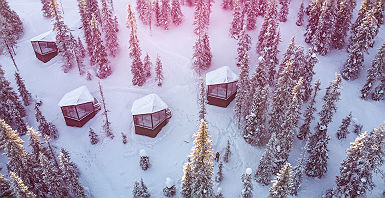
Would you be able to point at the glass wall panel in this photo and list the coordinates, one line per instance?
(47, 47)
(138, 120)
(147, 121)
(69, 111)
(221, 90)
(84, 109)
(212, 90)
(36, 47)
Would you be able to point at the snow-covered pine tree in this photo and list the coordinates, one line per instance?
(165, 14)
(176, 12)
(23, 91)
(284, 11)
(237, 23)
(244, 45)
(242, 91)
(283, 183)
(344, 127)
(265, 167)
(187, 180)
(201, 163)
(322, 38)
(99, 55)
(5, 188)
(46, 8)
(93, 8)
(93, 136)
(82, 4)
(130, 21)
(110, 34)
(251, 13)
(343, 20)
(227, 4)
(140, 190)
(226, 156)
(375, 74)
(361, 40)
(255, 132)
(157, 13)
(71, 175)
(18, 187)
(144, 161)
(261, 7)
(45, 127)
(202, 53)
(81, 49)
(219, 176)
(11, 28)
(297, 174)
(308, 73)
(54, 178)
(357, 128)
(207, 56)
(142, 7)
(147, 66)
(366, 5)
(247, 189)
(304, 130)
(170, 189)
(202, 99)
(281, 99)
(37, 145)
(107, 124)
(63, 39)
(11, 109)
(135, 51)
(316, 165)
(363, 159)
(314, 15)
(269, 27)
(300, 15)
(159, 71)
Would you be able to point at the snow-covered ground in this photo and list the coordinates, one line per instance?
(110, 168)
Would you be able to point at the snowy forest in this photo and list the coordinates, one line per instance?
(192, 98)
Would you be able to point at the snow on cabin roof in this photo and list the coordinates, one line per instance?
(77, 96)
(148, 104)
(49, 36)
(220, 76)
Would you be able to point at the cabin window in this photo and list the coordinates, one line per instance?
(217, 90)
(231, 89)
(47, 47)
(70, 111)
(158, 117)
(36, 47)
(84, 109)
(143, 120)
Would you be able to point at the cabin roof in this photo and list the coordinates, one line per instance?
(148, 104)
(220, 76)
(49, 36)
(77, 96)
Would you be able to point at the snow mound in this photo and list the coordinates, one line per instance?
(260, 59)
(148, 104)
(219, 190)
(249, 171)
(220, 76)
(169, 182)
(142, 153)
(77, 96)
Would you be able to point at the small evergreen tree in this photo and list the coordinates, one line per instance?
(242, 91)
(53, 176)
(144, 160)
(301, 12)
(344, 16)
(219, 176)
(147, 66)
(251, 14)
(357, 128)
(202, 100)
(187, 180)
(11, 28)
(314, 15)
(283, 183)
(85, 19)
(107, 125)
(159, 72)
(124, 138)
(227, 4)
(24, 93)
(344, 128)
(45, 127)
(93, 136)
(308, 73)
(109, 28)
(237, 23)
(244, 45)
(247, 190)
(226, 156)
(46, 8)
(165, 14)
(19, 189)
(170, 189)
(140, 190)
(157, 13)
(297, 174)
